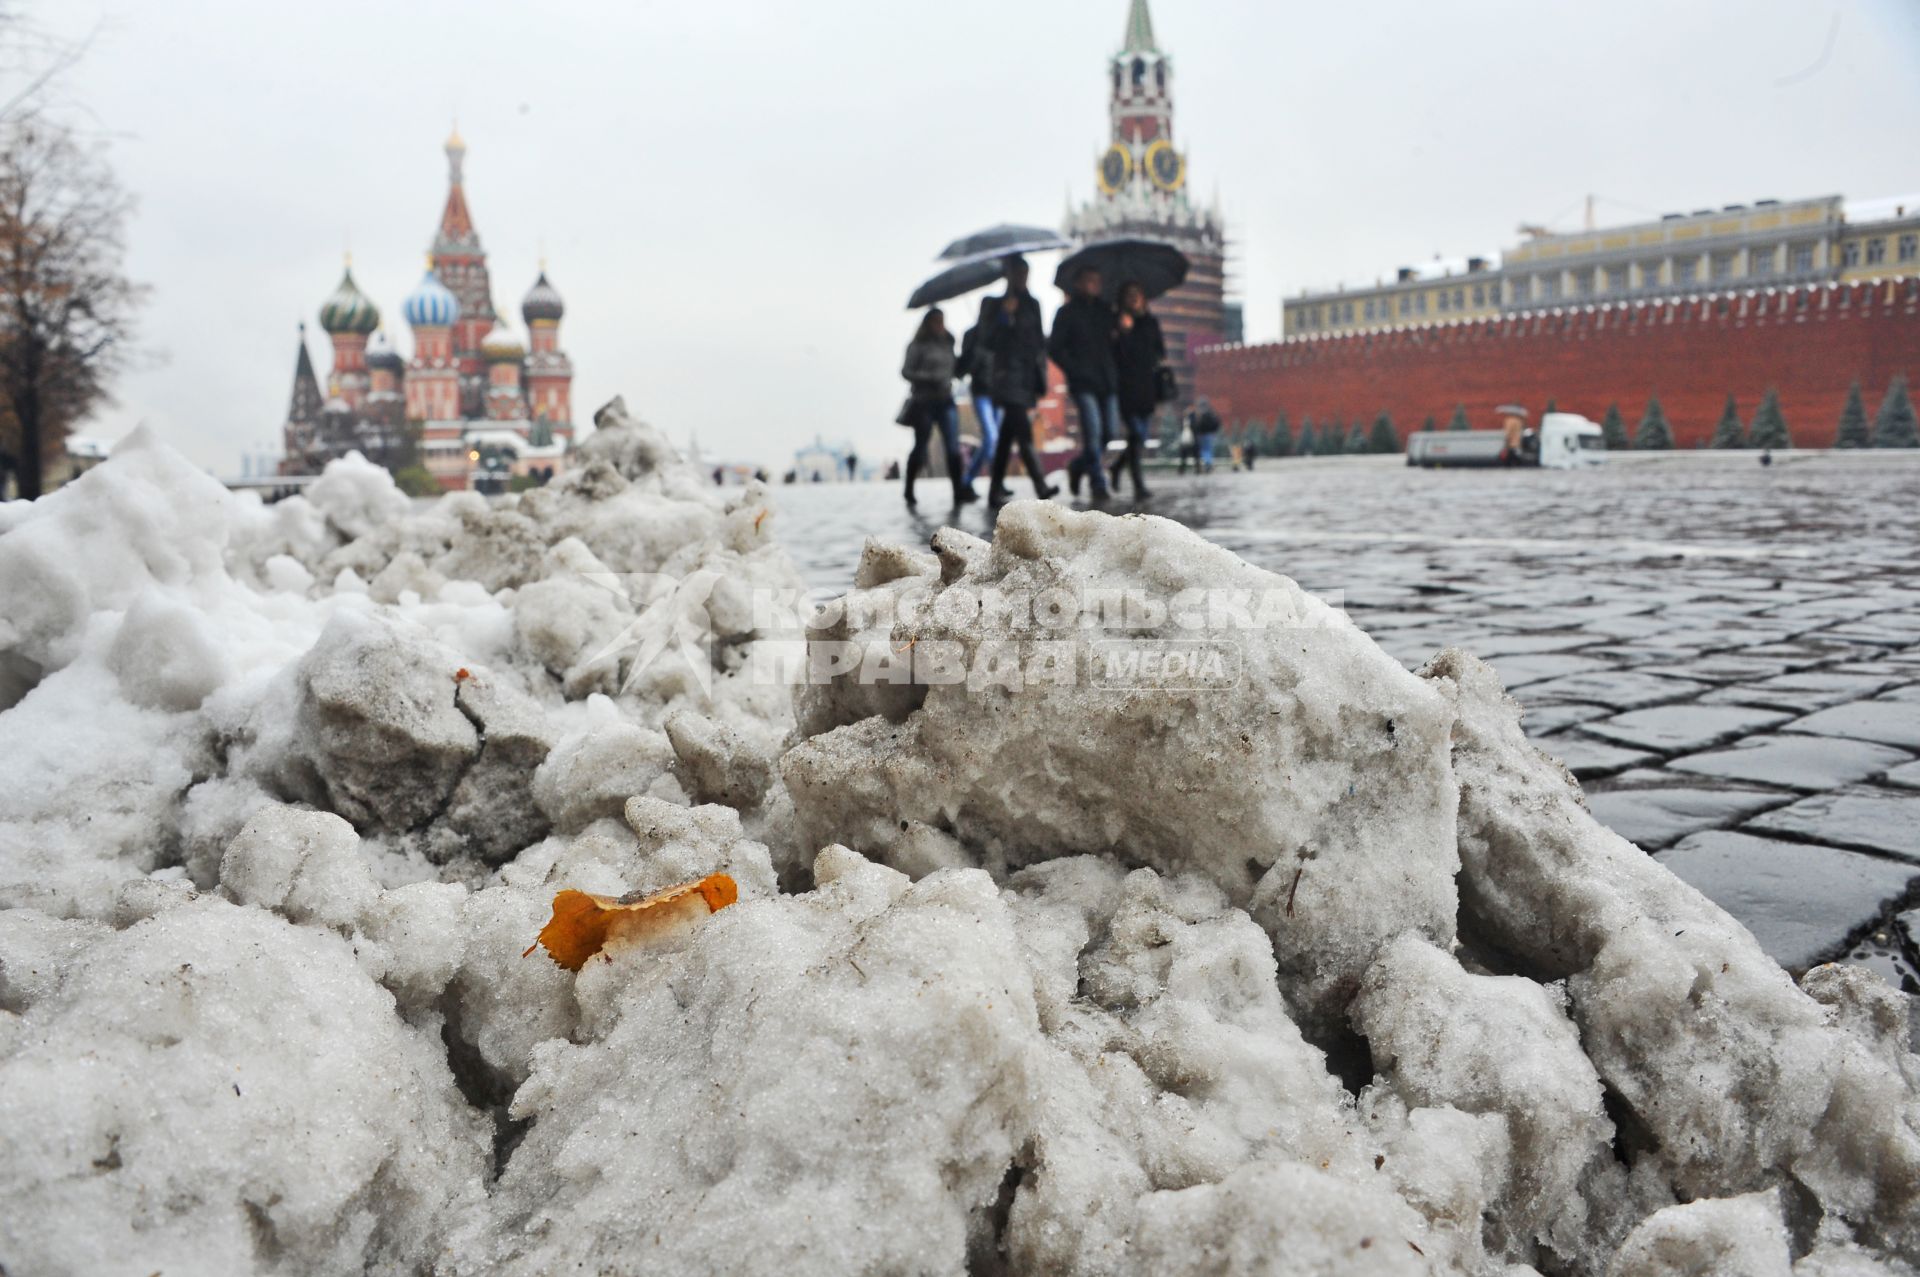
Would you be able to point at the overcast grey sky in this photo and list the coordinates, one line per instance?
(736, 198)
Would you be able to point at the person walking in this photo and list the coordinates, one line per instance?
(1082, 344)
(1015, 342)
(977, 367)
(1206, 429)
(929, 372)
(1138, 351)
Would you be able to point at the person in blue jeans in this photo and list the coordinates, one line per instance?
(1082, 344)
(1206, 428)
(1139, 349)
(974, 366)
(929, 372)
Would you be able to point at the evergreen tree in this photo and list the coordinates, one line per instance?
(1309, 444)
(1894, 425)
(1729, 433)
(1427, 425)
(1654, 432)
(1280, 441)
(1384, 438)
(1459, 419)
(1769, 426)
(1333, 439)
(1357, 439)
(1613, 428)
(1854, 431)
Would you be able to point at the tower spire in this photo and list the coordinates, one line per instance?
(1139, 29)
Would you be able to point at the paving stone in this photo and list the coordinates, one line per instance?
(1804, 692)
(1656, 818)
(1802, 902)
(1794, 762)
(1620, 689)
(1906, 775)
(1669, 729)
(1887, 722)
(1539, 720)
(1866, 819)
(1909, 693)
(1587, 757)
(1537, 667)
(1724, 667)
(1493, 645)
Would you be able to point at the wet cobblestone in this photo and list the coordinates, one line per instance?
(1727, 656)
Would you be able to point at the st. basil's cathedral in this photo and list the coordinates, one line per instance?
(474, 405)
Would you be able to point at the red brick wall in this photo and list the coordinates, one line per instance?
(1809, 343)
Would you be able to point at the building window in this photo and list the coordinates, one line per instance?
(1722, 267)
(1446, 300)
(1479, 296)
(1800, 258)
(1650, 276)
(1583, 282)
(1850, 253)
(1550, 287)
(1366, 308)
(1523, 288)
(1685, 270)
(1459, 299)
(1762, 261)
(1420, 303)
(1406, 304)
(1616, 279)
(1909, 247)
(1876, 251)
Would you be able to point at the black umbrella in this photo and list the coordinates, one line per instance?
(963, 276)
(1005, 238)
(1156, 266)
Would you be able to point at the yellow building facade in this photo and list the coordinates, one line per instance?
(1765, 244)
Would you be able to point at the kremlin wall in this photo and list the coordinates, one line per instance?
(1808, 342)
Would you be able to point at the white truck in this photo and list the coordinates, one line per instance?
(1564, 441)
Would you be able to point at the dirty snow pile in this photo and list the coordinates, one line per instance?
(1331, 973)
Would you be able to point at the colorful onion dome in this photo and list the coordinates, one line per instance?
(349, 310)
(502, 343)
(431, 305)
(542, 301)
(381, 354)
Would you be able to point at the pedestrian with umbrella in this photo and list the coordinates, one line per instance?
(977, 367)
(1015, 342)
(929, 373)
(1140, 355)
(1082, 344)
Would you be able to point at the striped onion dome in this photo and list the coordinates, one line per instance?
(501, 344)
(431, 305)
(349, 310)
(542, 301)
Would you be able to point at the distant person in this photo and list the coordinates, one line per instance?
(853, 467)
(791, 476)
(1206, 429)
(760, 473)
(1082, 344)
(719, 477)
(1138, 351)
(1766, 456)
(1249, 453)
(1016, 345)
(977, 367)
(929, 372)
(1188, 453)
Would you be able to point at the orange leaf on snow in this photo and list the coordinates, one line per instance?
(584, 924)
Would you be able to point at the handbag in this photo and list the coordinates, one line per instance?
(909, 413)
(1166, 386)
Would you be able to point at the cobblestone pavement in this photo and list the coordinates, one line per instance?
(1727, 656)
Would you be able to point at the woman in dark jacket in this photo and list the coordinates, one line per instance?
(1015, 339)
(1138, 350)
(929, 371)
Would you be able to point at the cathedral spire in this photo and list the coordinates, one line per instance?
(1139, 30)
